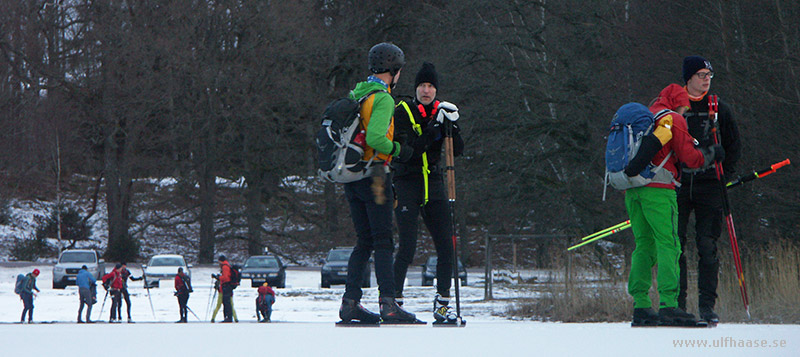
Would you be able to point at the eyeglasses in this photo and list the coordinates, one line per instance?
(703, 75)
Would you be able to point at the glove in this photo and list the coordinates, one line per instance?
(454, 132)
(447, 110)
(719, 152)
(431, 133)
(663, 131)
(712, 154)
(405, 154)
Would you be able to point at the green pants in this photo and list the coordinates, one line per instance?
(654, 220)
(219, 304)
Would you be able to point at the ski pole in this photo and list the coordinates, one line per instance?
(615, 228)
(758, 174)
(195, 315)
(606, 234)
(451, 197)
(147, 287)
(100, 316)
(208, 307)
(713, 106)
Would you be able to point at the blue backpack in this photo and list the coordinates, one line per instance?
(631, 123)
(20, 284)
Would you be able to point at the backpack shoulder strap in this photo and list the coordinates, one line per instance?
(417, 128)
(662, 113)
(366, 96)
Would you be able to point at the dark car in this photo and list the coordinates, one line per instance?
(264, 268)
(334, 271)
(429, 272)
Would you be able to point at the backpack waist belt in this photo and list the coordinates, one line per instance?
(700, 169)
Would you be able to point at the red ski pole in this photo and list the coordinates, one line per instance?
(713, 106)
(759, 174)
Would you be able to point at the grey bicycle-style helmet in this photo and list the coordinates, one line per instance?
(386, 57)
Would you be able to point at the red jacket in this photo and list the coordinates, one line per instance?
(681, 144)
(116, 279)
(263, 290)
(226, 274)
(180, 287)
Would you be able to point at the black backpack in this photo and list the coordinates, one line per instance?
(341, 141)
(187, 283)
(236, 275)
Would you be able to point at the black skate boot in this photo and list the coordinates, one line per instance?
(391, 313)
(351, 312)
(708, 315)
(673, 316)
(442, 311)
(644, 316)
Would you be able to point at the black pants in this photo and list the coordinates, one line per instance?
(373, 225)
(183, 299)
(705, 199)
(227, 307)
(127, 299)
(27, 302)
(116, 302)
(436, 216)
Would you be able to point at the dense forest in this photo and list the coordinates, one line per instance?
(107, 92)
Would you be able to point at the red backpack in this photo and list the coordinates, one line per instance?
(236, 275)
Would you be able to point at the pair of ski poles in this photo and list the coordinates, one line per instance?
(627, 224)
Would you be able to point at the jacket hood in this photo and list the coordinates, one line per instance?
(672, 97)
(363, 88)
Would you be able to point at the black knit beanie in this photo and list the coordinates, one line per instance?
(692, 64)
(427, 74)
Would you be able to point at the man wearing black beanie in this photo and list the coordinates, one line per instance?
(700, 188)
(419, 184)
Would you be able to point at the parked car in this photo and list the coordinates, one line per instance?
(264, 268)
(429, 271)
(164, 267)
(334, 270)
(69, 264)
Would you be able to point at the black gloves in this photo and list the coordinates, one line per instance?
(432, 133)
(713, 154)
(719, 152)
(406, 152)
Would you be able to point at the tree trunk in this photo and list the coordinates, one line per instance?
(208, 189)
(121, 245)
(254, 213)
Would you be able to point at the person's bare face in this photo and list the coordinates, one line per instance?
(426, 93)
(699, 83)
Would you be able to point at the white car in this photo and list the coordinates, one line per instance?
(69, 264)
(164, 267)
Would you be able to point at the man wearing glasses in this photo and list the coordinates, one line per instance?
(700, 190)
